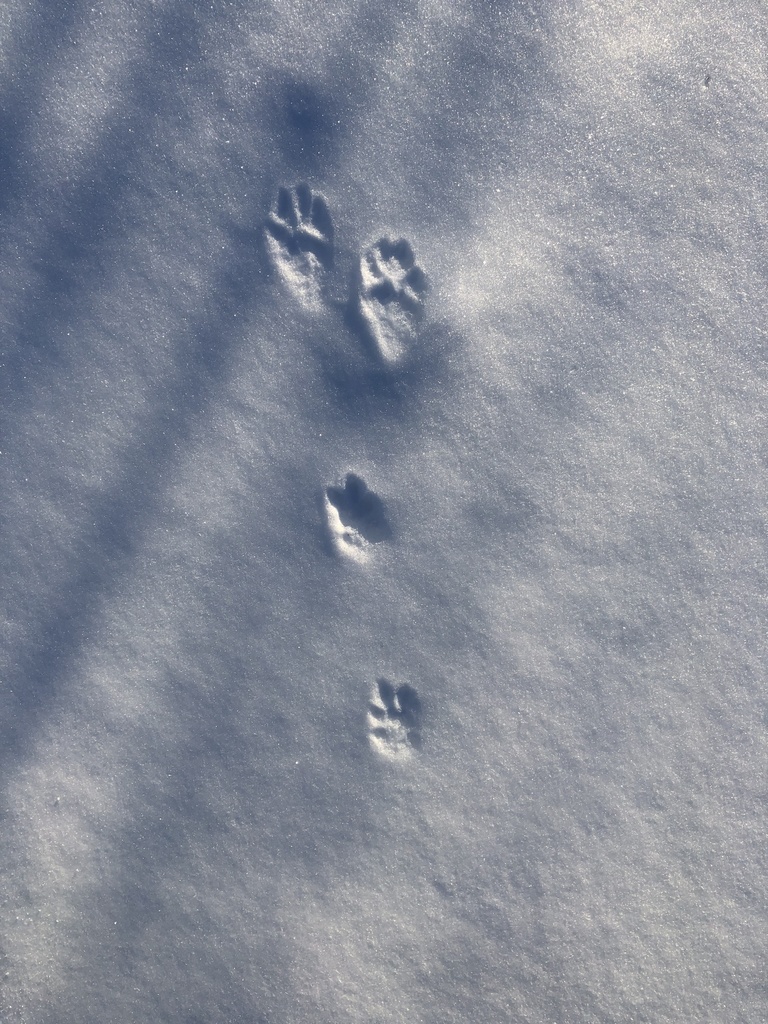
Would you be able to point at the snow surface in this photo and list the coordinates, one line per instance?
(383, 474)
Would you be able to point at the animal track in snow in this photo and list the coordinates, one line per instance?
(356, 517)
(391, 290)
(299, 238)
(394, 719)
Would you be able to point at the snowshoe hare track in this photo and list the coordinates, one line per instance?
(299, 239)
(356, 518)
(391, 297)
(394, 719)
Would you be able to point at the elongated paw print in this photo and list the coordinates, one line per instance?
(299, 238)
(394, 719)
(391, 291)
(356, 517)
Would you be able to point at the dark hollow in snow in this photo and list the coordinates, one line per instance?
(360, 509)
(307, 123)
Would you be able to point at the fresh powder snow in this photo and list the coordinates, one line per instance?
(383, 472)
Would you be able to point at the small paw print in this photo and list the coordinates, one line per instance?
(299, 238)
(392, 286)
(356, 517)
(394, 719)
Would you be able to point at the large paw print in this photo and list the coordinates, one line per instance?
(394, 719)
(299, 238)
(391, 292)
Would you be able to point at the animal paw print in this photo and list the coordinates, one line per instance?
(394, 719)
(356, 517)
(391, 288)
(299, 238)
